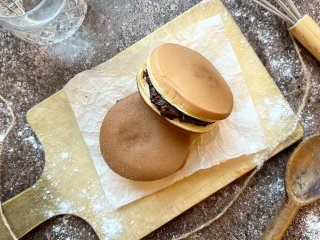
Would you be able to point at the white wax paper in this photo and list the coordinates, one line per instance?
(93, 92)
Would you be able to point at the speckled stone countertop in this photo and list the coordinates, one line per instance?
(31, 73)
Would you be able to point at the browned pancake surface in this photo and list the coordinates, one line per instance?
(138, 145)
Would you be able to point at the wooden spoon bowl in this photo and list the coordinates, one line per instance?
(303, 172)
(302, 185)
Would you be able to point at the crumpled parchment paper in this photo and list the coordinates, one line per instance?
(93, 92)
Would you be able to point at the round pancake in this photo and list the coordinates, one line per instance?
(145, 94)
(189, 82)
(138, 145)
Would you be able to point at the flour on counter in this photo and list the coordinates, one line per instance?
(278, 186)
(312, 226)
(57, 229)
(2, 137)
(31, 139)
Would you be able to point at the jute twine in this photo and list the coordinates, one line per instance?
(12, 123)
(260, 160)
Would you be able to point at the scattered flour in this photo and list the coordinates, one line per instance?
(283, 65)
(2, 136)
(312, 226)
(275, 110)
(111, 228)
(97, 208)
(49, 213)
(277, 186)
(65, 207)
(34, 143)
(64, 156)
(57, 229)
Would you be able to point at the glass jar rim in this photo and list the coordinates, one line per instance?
(3, 17)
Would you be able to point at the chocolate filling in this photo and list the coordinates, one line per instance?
(166, 109)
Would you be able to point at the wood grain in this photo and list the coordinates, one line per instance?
(55, 125)
(307, 31)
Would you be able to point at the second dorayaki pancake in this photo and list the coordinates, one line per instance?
(138, 145)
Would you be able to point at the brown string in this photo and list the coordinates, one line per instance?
(262, 159)
(13, 121)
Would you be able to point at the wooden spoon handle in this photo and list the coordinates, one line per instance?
(281, 221)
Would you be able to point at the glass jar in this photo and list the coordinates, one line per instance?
(42, 21)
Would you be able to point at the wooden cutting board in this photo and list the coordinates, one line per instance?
(70, 185)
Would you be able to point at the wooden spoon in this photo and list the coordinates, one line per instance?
(302, 184)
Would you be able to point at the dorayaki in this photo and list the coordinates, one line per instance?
(137, 144)
(185, 88)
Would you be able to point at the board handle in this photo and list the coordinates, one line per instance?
(281, 221)
(24, 212)
(307, 32)
(4, 232)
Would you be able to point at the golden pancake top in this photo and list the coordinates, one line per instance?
(189, 81)
(144, 91)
